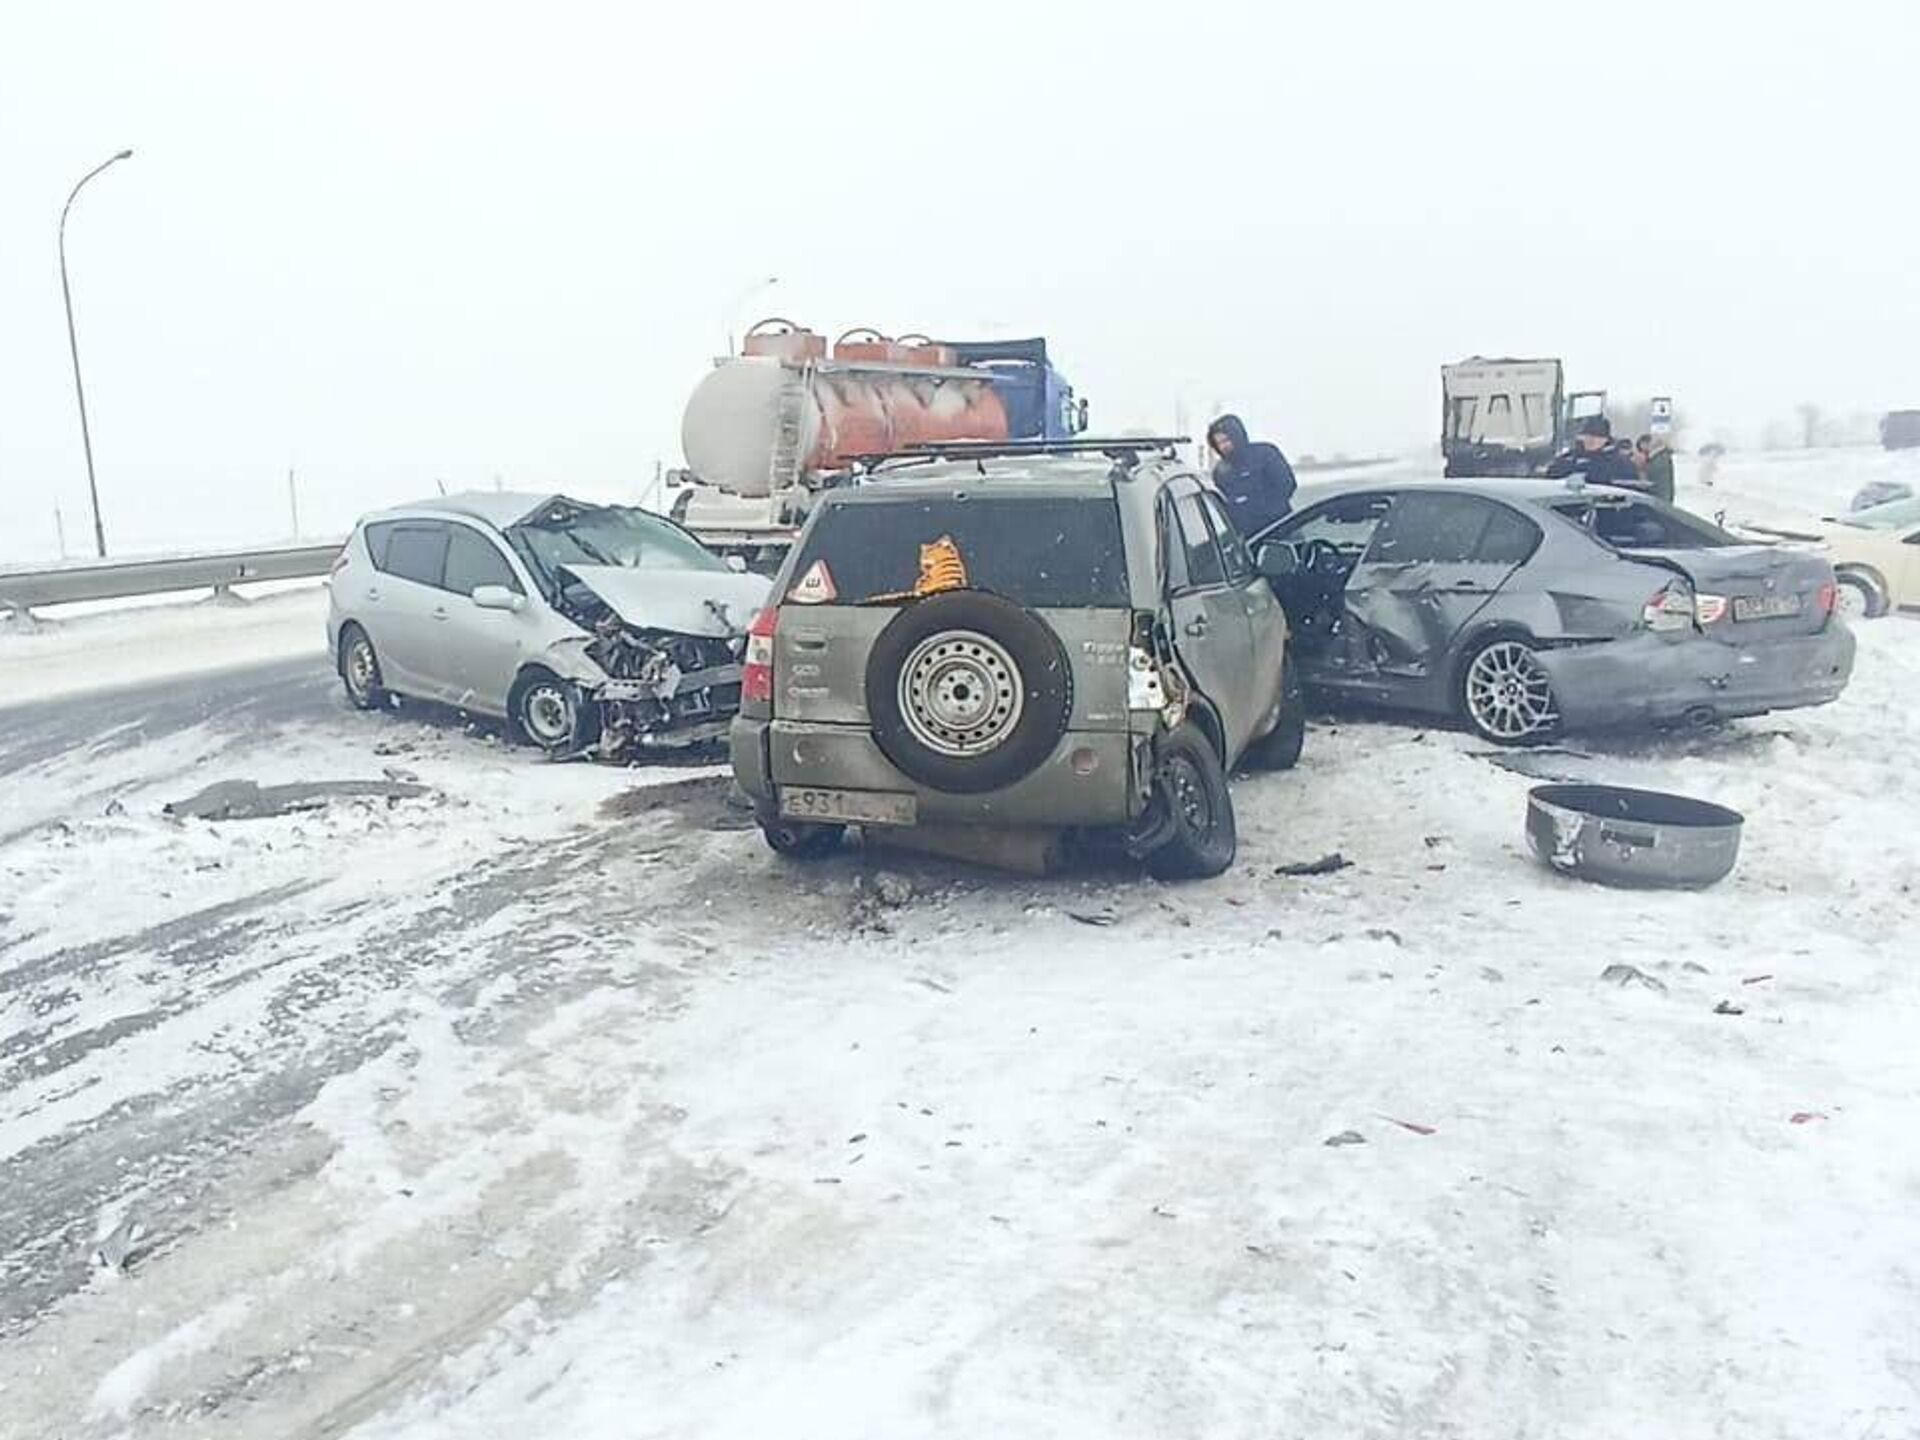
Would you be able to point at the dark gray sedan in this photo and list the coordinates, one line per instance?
(1528, 607)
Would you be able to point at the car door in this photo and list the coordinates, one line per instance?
(481, 650)
(1210, 621)
(1330, 538)
(1906, 590)
(401, 605)
(1266, 621)
(1435, 562)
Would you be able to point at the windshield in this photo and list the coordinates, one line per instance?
(1894, 515)
(565, 533)
(1058, 553)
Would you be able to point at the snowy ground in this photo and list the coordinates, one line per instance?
(552, 1105)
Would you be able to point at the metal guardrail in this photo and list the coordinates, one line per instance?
(73, 583)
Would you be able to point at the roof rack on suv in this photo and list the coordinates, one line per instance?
(1118, 448)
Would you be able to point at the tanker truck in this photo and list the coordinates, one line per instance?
(768, 429)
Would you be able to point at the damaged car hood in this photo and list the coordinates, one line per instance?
(688, 602)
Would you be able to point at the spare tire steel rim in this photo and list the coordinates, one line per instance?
(360, 666)
(961, 693)
(548, 714)
(1190, 794)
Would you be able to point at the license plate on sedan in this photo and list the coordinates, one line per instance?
(849, 807)
(1765, 607)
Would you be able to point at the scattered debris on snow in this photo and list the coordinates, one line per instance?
(1325, 865)
(250, 800)
(1625, 975)
(125, 1241)
(1410, 1125)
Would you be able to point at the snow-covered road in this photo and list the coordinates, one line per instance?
(550, 1104)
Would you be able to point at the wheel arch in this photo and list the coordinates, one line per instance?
(1206, 719)
(349, 627)
(1475, 639)
(1861, 570)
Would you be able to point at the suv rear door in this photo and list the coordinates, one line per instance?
(1211, 629)
(860, 558)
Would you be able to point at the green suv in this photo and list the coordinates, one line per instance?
(1065, 636)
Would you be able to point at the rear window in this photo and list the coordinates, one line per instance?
(1046, 553)
(1642, 525)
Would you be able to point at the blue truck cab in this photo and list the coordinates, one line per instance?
(1039, 401)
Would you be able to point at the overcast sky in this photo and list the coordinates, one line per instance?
(394, 244)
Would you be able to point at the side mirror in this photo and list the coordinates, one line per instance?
(737, 564)
(1277, 560)
(498, 597)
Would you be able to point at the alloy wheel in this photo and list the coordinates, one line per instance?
(1508, 694)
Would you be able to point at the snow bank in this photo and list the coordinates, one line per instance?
(107, 651)
(128, 1382)
(1779, 486)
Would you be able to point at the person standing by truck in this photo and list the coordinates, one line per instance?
(1594, 459)
(1656, 469)
(1253, 477)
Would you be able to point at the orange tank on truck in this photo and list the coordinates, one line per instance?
(793, 411)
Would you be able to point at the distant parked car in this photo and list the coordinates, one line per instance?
(1900, 429)
(1879, 492)
(1876, 557)
(586, 627)
(1526, 607)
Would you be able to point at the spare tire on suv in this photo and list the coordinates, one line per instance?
(968, 692)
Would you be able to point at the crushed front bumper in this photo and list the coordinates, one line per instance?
(675, 712)
(1652, 680)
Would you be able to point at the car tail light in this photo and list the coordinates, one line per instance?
(1827, 597)
(1671, 608)
(1709, 608)
(756, 677)
(1144, 690)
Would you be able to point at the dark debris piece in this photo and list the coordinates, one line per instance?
(1325, 865)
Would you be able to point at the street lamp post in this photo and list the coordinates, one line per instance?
(733, 311)
(73, 345)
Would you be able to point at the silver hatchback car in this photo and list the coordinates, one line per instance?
(590, 629)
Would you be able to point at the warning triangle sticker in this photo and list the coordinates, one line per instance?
(815, 587)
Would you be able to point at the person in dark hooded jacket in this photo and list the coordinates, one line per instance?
(1253, 478)
(1594, 459)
